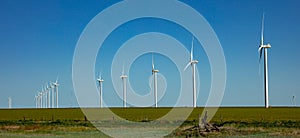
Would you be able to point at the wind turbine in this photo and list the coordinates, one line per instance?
(294, 100)
(45, 97)
(123, 77)
(263, 48)
(49, 93)
(9, 102)
(52, 91)
(100, 80)
(41, 99)
(36, 101)
(193, 63)
(154, 71)
(56, 90)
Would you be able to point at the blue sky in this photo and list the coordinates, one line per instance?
(38, 39)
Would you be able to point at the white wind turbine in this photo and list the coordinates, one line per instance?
(41, 99)
(123, 77)
(45, 97)
(35, 103)
(38, 100)
(154, 71)
(56, 91)
(9, 102)
(294, 100)
(49, 95)
(52, 91)
(100, 80)
(36, 97)
(193, 63)
(263, 48)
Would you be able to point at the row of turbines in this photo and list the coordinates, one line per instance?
(47, 97)
(192, 63)
(154, 71)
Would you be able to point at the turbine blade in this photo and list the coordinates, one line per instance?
(262, 29)
(259, 48)
(123, 69)
(56, 79)
(191, 58)
(100, 74)
(152, 62)
(187, 66)
(260, 53)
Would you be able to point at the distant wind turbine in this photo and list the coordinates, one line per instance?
(263, 48)
(193, 63)
(154, 71)
(49, 95)
(41, 99)
(294, 100)
(45, 97)
(9, 102)
(52, 91)
(100, 80)
(56, 91)
(123, 77)
(36, 101)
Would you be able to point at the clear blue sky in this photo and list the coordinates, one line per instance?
(38, 39)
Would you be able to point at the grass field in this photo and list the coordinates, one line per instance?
(138, 114)
(71, 122)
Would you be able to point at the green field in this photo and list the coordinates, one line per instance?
(71, 122)
(138, 114)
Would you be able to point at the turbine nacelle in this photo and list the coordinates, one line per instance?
(155, 71)
(191, 63)
(194, 61)
(264, 46)
(123, 76)
(100, 80)
(267, 46)
(56, 83)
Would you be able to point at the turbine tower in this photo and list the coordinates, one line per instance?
(263, 48)
(154, 71)
(193, 63)
(56, 91)
(100, 80)
(123, 77)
